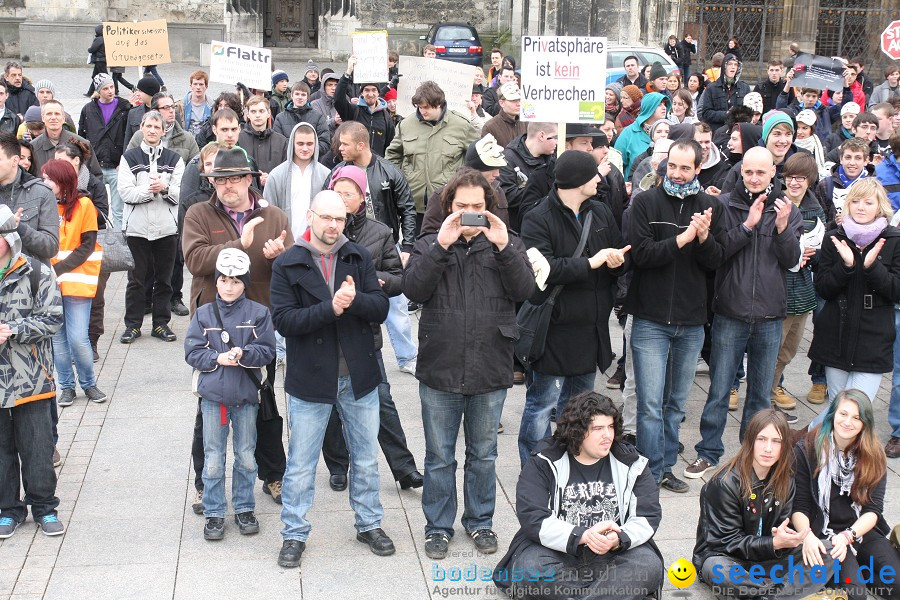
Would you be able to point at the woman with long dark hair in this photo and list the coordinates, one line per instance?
(77, 267)
(841, 476)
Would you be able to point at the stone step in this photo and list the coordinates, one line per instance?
(295, 55)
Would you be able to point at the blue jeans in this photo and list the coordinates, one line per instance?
(308, 421)
(442, 413)
(280, 346)
(894, 408)
(543, 394)
(730, 337)
(400, 330)
(71, 343)
(116, 206)
(665, 360)
(215, 441)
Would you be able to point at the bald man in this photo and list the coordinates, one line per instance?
(325, 298)
(762, 241)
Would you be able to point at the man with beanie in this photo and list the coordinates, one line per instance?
(726, 92)
(103, 122)
(311, 76)
(370, 110)
(526, 156)
(849, 112)
(46, 91)
(761, 237)
(147, 87)
(507, 125)
(674, 232)
(577, 341)
(658, 78)
(280, 93)
(777, 138)
(325, 297)
(325, 102)
(32, 314)
(635, 139)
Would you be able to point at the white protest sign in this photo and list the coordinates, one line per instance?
(233, 63)
(136, 44)
(371, 50)
(456, 80)
(563, 79)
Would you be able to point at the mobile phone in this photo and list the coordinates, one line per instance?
(469, 219)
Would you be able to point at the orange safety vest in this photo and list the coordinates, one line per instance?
(82, 280)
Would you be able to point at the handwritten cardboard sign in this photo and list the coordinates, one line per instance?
(136, 44)
(371, 50)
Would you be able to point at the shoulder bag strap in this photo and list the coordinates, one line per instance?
(585, 232)
(249, 372)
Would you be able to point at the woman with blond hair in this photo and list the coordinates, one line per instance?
(858, 276)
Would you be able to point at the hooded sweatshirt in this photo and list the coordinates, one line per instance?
(634, 140)
(280, 190)
(292, 115)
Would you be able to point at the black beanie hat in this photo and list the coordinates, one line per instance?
(149, 85)
(574, 169)
(657, 70)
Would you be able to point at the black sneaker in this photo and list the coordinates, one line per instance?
(95, 395)
(617, 381)
(291, 551)
(436, 544)
(8, 526)
(164, 333)
(673, 484)
(485, 540)
(51, 525)
(66, 397)
(790, 417)
(378, 541)
(214, 528)
(247, 523)
(130, 334)
(178, 308)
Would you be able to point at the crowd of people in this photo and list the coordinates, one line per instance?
(712, 220)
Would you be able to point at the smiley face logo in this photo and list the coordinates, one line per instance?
(682, 573)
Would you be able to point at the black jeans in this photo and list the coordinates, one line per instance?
(798, 580)
(271, 460)
(161, 254)
(26, 448)
(877, 549)
(390, 436)
(177, 278)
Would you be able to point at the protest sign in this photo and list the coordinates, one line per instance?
(136, 44)
(563, 79)
(370, 49)
(233, 63)
(456, 80)
(818, 72)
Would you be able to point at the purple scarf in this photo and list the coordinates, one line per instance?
(863, 235)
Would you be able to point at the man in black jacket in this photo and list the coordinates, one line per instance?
(673, 232)
(578, 337)
(772, 86)
(21, 94)
(490, 100)
(370, 110)
(727, 91)
(107, 137)
(588, 508)
(267, 147)
(469, 279)
(9, 121)
(147, 87)
(687, 47)
(325, 296)
(527, 154)
(762, 241)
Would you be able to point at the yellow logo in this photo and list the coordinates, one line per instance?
(218, 50)
(682, 573)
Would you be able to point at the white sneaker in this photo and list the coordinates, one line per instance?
(409, 367)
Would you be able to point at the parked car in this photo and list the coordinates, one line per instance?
(647, 55)
(458, 42)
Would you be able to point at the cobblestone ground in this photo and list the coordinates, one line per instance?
(126, 486)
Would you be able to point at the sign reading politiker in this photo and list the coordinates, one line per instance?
(562, 79)
(136, 44)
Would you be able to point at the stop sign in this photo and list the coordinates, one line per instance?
(890, 40)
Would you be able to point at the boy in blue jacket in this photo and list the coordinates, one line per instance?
(228, 342)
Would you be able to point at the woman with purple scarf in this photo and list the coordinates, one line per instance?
(859, 278)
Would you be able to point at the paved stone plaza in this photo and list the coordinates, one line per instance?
(126, 485)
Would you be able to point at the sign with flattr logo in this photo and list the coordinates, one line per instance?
(233, 63)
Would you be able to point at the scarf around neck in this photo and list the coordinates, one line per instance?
(839, 468)
(846, 180)
(681, 190)
(863, 235)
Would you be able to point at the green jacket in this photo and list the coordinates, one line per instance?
(429, 154)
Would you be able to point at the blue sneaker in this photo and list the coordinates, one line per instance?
(8, 527)
(51, 525)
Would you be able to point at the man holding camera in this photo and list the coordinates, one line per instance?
(468, 275)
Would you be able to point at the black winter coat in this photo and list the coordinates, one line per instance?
(668, 283)
(302, 313)
(718, 99)
(288, 118)
(686, 48)
(96, 191)
(20, 98)
(751, 284)
(467, 329)
(107, 139)
(379, 124)
(98, 47)
(134, 122)
(518, 157)
(9, 122)
(729, 520)
(769, 92)
(855, 330)
(578, 338)
(268, 147)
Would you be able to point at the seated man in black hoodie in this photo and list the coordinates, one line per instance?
(582, 534)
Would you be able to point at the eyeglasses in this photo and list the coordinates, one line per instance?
(552, 137)
(347, 195)
(328, 219)
(797, 178)
(167, 107)
(232, 179)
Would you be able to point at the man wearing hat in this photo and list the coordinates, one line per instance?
(658, 78)
(280, 93)
(506, 126)
(311, 76)
(578, 337)
(325, 102)
(103, 122)
(147, 87)
(370, 110)
(46, 91)
(238, 217)
(726, 92)
(149, 183)
(849, 112)
(476, 111)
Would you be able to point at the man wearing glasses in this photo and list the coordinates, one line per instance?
(236, 216)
